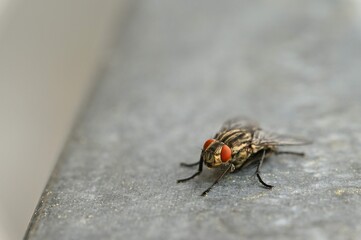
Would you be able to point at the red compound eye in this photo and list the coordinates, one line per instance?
(226, 153)
(207, 143)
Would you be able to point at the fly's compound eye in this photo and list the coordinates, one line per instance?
(207, 143)
(226, 153)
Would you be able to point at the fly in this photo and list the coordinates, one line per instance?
(239, 143)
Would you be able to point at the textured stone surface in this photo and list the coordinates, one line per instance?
(179, 70)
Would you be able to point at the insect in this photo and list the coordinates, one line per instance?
(239, 143)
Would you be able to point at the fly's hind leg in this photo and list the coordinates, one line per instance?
(200, 168)
(258, 172)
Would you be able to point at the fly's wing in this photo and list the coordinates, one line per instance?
(261, 137)
(239, 123)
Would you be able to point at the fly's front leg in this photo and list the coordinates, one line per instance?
(189, 164)
(200, 168)
(229, 168)
(258, 172)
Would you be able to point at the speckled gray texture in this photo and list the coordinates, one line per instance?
(179, 70)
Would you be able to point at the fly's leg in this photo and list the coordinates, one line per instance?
(200, 168)
(189, 164)
(301, 154)
(258, 172)
(230, 167)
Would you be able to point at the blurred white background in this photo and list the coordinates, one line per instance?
(50, 52)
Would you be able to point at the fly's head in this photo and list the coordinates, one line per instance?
(215, 153)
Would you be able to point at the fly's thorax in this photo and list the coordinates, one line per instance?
(244, 153)
(241, 157)
(240, 147)
(215, 153)
(236, 139)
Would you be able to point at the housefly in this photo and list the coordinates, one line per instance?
(239, 143)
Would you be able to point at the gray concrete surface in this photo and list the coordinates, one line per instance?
(179, 70)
